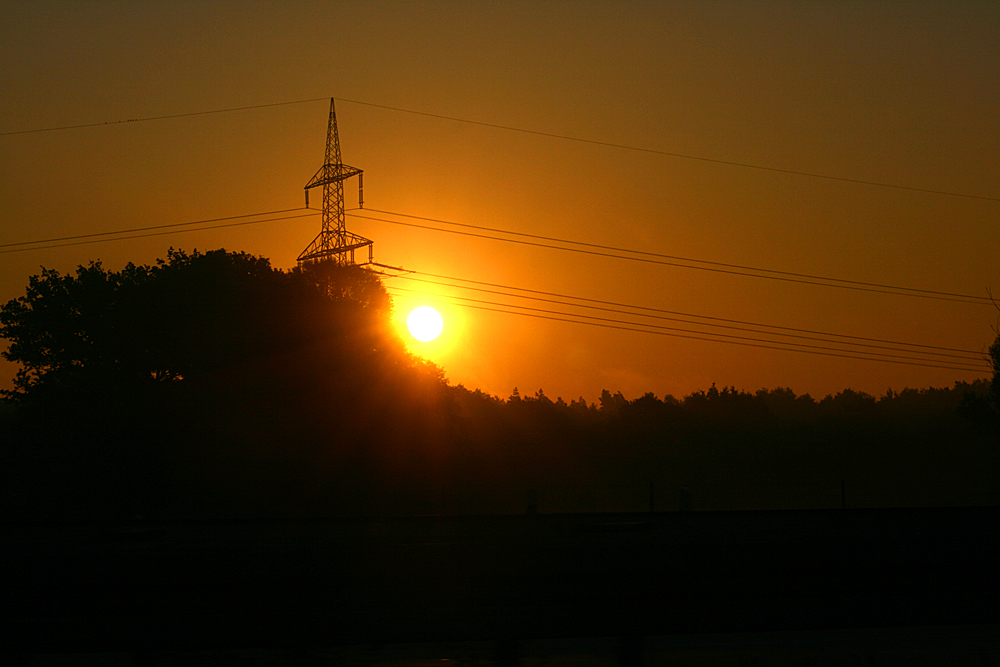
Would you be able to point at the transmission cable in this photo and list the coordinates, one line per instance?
(174, 115)
(677, 312)
(895, 345)
(673, 332)
(173, 231)
(143, 229)
(510, 128)
(666, 328)
(786, 277)
(685, 156)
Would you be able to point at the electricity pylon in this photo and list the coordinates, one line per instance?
(334, 241)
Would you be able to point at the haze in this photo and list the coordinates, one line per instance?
(898, 93)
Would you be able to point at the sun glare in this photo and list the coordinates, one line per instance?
(424, 323)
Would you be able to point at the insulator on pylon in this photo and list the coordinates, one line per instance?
(307, 199)
(361, 191)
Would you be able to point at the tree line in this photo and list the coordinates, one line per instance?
(212, 385)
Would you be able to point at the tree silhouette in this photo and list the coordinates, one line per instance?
(187, 319)
(214, 367)
(212, 383)
(994, 357)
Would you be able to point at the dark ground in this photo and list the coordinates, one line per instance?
(693, 583)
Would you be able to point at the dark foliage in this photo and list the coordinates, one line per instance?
(206, 382)
(212, 385)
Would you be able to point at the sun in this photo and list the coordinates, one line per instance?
(425, 323)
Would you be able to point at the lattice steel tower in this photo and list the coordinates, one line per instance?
(334, 241)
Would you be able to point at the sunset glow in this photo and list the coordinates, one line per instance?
(425, 323)
(402, 333)
(831, 141)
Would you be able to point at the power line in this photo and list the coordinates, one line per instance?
(143, 229)
(968, 355)
(510, 128)
(174, 231)
(779, 345)
(686, 259)
(677, 312)
(684, 156)
(706, 333)
(508, 287)
(787, 277)
(782, 275)
(746, 341)
(164, 117)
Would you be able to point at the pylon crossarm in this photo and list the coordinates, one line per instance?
(355, 241)
(318, 248)
(332, 174)
(341, 255)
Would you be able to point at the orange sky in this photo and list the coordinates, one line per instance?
(902, 93)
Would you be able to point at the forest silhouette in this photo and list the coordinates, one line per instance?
(212, 386)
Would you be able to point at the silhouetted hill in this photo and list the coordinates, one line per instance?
(213, 385)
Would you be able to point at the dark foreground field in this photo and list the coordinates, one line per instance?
(635, 586)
